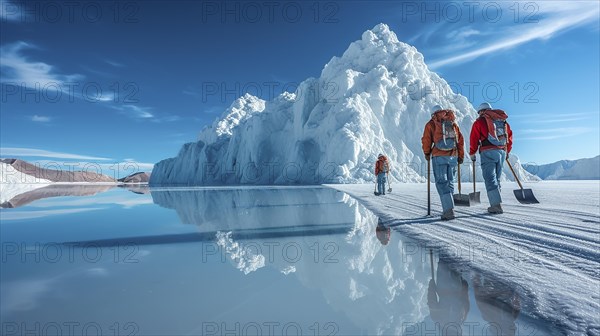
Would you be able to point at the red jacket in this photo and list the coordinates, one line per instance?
(479, 132)
(382, 166)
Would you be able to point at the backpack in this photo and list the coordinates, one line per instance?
(500, 132)
(381, 164)
(445, 135)
(496, 123)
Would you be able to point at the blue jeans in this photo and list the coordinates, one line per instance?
(492, 161)
(444, 172)
(381, 179)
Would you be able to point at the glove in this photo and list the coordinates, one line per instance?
(507, 156)
(461, 160)
(427, 157)
(473, 157)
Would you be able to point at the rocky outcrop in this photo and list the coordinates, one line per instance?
(139, 177)
(52, 175)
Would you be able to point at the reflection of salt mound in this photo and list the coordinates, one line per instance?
(246, 261)
(378, 288)
(260, 208)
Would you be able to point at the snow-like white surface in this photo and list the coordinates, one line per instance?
(13, 182)
(551, 250)
(375, 98)
(582, 169)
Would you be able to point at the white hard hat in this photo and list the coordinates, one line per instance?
(435, 108)
(484, 106)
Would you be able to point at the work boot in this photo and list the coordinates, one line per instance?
(495, 209)
(448, 214)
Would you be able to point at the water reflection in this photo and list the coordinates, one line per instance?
(500, 305)
(53, 190)
(272, 209)
(252, 255)
(35, 193)
(448, 299)
(383, 232)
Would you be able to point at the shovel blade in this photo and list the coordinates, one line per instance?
(389, 189)
(475, 197)
(461, 200)
(525, 196)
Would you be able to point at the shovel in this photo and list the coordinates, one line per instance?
(475, 195)
(428, 187)
(460, 199)
(524, 196)
(431, 263)
(389, 183)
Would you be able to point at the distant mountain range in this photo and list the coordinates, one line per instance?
(582, 169)
(25, 172)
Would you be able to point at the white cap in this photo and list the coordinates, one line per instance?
(380, 155)
(435, 108)
(484, 106)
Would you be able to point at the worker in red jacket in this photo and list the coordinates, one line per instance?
(492, 136)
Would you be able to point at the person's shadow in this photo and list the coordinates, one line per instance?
(498, 303)
(448, 299)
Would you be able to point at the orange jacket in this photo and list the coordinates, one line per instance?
(382, 165)
(430, 149)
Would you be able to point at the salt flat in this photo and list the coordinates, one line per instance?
(550, 250)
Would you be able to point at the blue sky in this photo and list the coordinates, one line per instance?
(131, 82)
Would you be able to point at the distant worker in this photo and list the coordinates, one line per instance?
(443, 141)
(382, 168)
(492, 136)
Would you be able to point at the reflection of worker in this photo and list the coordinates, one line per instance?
(383, 232)
(448, 300)
(499, 305)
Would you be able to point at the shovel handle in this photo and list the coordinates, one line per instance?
(514, 174)
(474, 188)
(429, 187)
(431, 263)
(459, 179)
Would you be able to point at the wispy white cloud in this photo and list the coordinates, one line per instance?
(112, 169)
(22, 71)
(32, 152)
(115, 64)
(20, 215)
(190, 93)
(549, 118)
(41, 119)
(140, 166)
(553, 133)
(126, 201)
(134, 111)
(553, 17)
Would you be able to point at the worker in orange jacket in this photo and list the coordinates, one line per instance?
(443, 143)
(382, 168)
